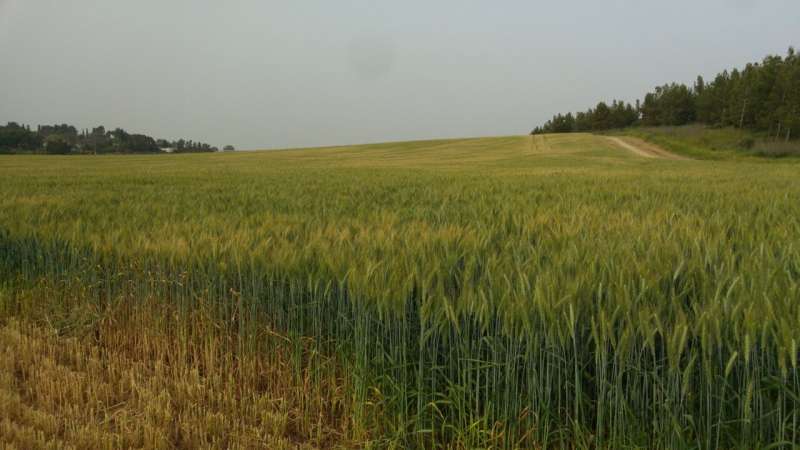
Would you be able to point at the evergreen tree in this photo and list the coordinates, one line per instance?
(764, 96)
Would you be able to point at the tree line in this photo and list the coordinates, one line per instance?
(764, 97)
(66, 139)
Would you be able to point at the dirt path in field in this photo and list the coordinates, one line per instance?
(644, 149)
(539, 144)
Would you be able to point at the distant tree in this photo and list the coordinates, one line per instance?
(139, 143)
(228, 148)
(57, 145)
(17, 137)
(602, 117)
(67, 132)
(763, 96)
(671, 104)
(622, 115)
(699, 85)
(119, 134)
(583, 121)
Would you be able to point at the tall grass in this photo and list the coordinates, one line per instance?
(777, 148)
(478, 293)
(703, 142)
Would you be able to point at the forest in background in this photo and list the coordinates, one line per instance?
(66, 139)
(763, 97)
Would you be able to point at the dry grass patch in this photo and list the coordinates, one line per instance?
(119, 388)
(476, 293)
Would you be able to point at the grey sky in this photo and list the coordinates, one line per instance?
(269, 74)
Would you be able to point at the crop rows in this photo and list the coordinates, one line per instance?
(519, 300)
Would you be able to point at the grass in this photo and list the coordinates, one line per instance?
(546, 292)
(134, 389)
(702, 142)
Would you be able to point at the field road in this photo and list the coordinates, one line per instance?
(539, 144)
(644, 149)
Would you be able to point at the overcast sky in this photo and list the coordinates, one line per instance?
(272, 74)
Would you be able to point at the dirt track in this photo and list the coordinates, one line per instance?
(644, 149)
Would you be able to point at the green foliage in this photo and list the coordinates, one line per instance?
(15, 138)
(702, 142)
(57, 145)
(545, 292)
(763, 97)
(671, 104)
(602, 117)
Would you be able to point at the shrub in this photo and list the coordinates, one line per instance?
(747, 143)
(57, 145)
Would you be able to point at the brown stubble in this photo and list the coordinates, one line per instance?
(138, 381)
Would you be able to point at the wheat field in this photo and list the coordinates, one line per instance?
(510, 292)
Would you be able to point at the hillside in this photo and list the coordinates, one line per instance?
(760, 103)
(514, 292)
(703, 142)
